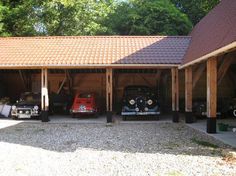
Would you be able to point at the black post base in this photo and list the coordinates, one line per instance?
(211, 125)
(44, 116)
(175, 116)
(189, 118)
(109, 116)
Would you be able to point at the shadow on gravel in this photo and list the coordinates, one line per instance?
(164, 138)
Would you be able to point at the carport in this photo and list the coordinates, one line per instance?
(109, 56)
(211, 57)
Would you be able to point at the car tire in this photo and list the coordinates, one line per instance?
(14, 117)
(39, 117)
(96, 115)
(124, 118)
(73, 115)
(234, 113)
(157, 117)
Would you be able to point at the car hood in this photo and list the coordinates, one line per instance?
(147, 96)
(27, 104)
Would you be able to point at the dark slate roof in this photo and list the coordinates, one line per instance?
(216, 30)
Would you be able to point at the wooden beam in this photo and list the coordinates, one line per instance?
(158, 79)
(158, 74)
(199, 71)
(147, 81)
(70, 80)
(211, 87)
(109, 89)
(23, 79)
(175, 89)
(61, 86)
(44, 90)
(188, 89)
(226, 62)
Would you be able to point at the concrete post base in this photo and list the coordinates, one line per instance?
(189, 118)
(175, 118)
(109, 117)
(211, 125)
(44, 116)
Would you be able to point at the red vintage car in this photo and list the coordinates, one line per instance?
(84, 103)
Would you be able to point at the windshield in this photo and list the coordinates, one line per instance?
(137, 90)
(30, 98)
(85, 95)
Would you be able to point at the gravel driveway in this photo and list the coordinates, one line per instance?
(124, 149)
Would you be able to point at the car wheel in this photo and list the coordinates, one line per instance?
(73, 115)
(124, 118)
(39, 117)
(14, 117)
(96, 115)
(157, 117)
(234, 112)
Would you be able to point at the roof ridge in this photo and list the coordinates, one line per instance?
(114, 36)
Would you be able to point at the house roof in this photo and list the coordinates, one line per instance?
(65, 51)
(214, 34)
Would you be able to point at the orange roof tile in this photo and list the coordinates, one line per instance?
(91, 50)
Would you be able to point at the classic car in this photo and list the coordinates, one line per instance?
(232, 108)
(84, 103)
(27, 107)
(60, 103)
(139, 100)
(225, 108)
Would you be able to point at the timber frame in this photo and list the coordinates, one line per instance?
(216, 68)
(175, 93)
(188, 95)
(44, 95)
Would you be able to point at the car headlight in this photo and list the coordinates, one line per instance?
(13, 107)
(36, 108)
(132, 102)
(149, 102)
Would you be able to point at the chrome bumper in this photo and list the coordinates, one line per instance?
(139, 113)
(83, 111)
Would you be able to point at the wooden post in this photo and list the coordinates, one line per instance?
(175, 93)
(188, 95)
(211, 94)
(109, 94)
(44, 95)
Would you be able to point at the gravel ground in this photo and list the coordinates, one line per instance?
(122, 149)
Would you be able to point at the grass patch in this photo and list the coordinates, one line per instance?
(19, 129)
(204, 143)
(174, 173)
(172, 145)
(39, 130)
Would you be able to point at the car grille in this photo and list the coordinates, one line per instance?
(23, 111)
(141, 103)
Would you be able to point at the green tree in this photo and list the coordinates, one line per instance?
(56, 17)
(19, 19)
(195, 9)
(3, 12)
(141, 17)
(74, 17)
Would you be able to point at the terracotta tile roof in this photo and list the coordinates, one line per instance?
(216, 30)
(91, 50)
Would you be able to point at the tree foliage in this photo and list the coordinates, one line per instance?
(56, 17)
(195, 9)
(100, 17)
(141, 17)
